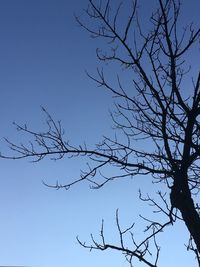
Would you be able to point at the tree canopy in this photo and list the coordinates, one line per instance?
(154, 108)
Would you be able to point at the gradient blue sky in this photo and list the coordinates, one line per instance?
(43, 55)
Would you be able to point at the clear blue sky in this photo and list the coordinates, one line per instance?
(43, 56)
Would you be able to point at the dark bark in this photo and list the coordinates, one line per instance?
(181, 199)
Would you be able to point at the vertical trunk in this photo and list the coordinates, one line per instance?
(182, 200)
(192, 221)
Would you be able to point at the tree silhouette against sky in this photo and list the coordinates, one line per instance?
(156, 119)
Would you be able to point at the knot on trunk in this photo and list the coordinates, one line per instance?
(176, 196)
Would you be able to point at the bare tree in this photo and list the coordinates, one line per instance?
(160, 111)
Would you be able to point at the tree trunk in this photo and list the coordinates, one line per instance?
(182, 200)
